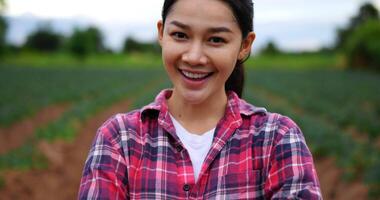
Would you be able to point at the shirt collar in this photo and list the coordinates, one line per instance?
(159, 102)
(235, 105)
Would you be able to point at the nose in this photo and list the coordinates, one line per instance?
(195, 55)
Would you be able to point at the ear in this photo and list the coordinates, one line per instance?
(160, 31)
(246, 45)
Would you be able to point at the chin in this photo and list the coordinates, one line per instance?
(194, 97)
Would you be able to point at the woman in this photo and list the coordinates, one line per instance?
(199, 140)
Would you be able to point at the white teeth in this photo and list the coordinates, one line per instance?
(193, 75)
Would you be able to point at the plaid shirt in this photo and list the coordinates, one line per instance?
(254, 155)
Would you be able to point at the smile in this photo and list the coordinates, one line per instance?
(195, 76)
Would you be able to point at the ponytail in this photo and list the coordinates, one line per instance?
(236, 80)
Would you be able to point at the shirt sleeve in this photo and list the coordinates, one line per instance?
(105, 171)
(292, 174)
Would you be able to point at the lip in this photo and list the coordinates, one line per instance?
(194, 84)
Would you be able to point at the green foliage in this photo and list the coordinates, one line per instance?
(85, 42)
(294, 61)
(318, 100)
(67, 126)
(270, 49)
(330, 94)
(366, 13)
(26, 157)
(137, 85)
(44, 39)
(3, 30)
(23, 91)
(132, 46)
(363, 46)
(63, 60)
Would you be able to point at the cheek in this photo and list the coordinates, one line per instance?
(169, 55)
(228, 72)
(169, 61)
(226, 60)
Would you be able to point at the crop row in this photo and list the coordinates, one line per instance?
(27, 156)
(358, 160)
(24, 91)
(348, 99)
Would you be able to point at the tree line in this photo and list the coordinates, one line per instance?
(3, 28)
(81, 43)
(359, 41)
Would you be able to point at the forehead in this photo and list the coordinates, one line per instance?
(200, 13)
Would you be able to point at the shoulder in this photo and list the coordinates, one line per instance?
(286, 130)
(130, 123)
(266, 122)
(280, 136)
(117, 124)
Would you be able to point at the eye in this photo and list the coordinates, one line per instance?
(217, 40)
(179, 35)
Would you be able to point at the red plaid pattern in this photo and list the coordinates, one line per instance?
(254, 155)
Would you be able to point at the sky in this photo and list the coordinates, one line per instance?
(293, 24)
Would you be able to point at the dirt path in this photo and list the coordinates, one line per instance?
(15, 135)
(332, 185)
(61, 179)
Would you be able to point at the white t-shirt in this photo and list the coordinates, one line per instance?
(197, 145)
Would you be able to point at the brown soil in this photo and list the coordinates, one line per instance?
(61, 179)
(362, 137)
(15, 135)
(332, 185)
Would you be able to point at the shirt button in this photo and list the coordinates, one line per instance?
(186, 187)
(179, 148)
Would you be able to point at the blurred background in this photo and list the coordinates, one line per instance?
(66, 66)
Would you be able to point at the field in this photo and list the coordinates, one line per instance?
(338, 112)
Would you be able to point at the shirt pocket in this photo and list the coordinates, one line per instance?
(246, 185)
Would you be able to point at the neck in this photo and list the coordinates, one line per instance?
(201, 117)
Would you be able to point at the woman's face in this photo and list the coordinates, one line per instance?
(201, 43)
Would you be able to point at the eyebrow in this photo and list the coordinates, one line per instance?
(212, 30)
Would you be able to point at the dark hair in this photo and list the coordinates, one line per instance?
(243, 13)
